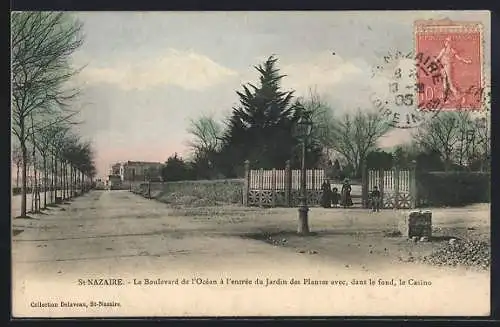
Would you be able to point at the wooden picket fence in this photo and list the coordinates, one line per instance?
(397, 187)
(281, 187)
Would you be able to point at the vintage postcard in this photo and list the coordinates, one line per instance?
(187, 164)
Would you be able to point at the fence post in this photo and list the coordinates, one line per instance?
(364, 185)
(261, 186)
(288, 184)
(381, 176)
(396, 188)
(273, 188)
(413, 185)
(246, 183)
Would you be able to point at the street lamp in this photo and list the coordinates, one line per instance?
(304, 128)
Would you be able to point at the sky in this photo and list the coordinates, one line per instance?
(148, 73)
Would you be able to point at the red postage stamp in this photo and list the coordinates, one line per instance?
(449, 58)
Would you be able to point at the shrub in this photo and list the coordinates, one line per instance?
(453, 188)
(196, 192)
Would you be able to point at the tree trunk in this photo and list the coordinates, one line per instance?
(67, 178)
(31, 190)
(77, 180)
(45, 177)
(70, 182)
(24, 173)
(73, 181)
(56, 178)
(63, 181)
(34, 193)
(52, 179)
(61, 178)
(66, 181)
(17, 175)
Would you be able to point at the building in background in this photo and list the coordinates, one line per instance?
(115, 169)
(139, 171)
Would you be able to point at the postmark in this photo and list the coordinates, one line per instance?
(398, 97)
(450, 64)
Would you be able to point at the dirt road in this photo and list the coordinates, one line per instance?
(116, 234)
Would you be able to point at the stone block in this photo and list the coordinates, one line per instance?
(417, 224)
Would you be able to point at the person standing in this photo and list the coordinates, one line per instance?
(375, 199)
(326, 195)
(346, 194)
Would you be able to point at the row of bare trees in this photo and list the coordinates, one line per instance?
(462, 139)
(45, 146)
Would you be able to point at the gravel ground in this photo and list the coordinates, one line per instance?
(116, 234)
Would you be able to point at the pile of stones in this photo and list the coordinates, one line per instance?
(462, 252)
(274, 241)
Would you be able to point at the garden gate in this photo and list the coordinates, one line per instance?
(397, 187)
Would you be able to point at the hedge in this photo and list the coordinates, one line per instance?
(208, 192)
(453, 188)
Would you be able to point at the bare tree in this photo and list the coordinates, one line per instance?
(58, 134)
(41, 45)
(322, 117)
(483, 143)
(455, 135)
(206, 134)
(355, 135)
(44, 141)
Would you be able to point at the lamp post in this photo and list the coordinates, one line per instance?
(304, 128)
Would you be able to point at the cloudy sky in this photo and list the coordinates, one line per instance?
(148, 73)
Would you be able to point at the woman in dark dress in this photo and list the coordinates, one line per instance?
(326, 195)
(346, 194)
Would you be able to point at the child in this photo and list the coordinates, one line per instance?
(375, 198)
(335, 197)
